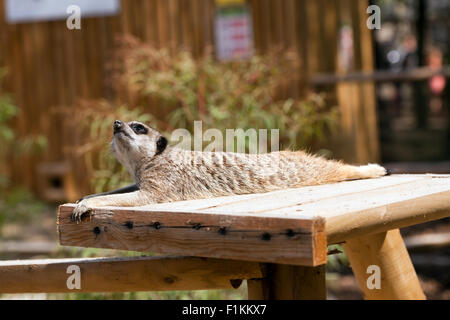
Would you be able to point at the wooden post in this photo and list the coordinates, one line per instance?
(398, 279)
(286, 282)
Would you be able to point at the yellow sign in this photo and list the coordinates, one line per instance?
(229, 2)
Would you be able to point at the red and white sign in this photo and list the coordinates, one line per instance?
(234, 36)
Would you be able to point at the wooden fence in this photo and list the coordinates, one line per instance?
(50, 65)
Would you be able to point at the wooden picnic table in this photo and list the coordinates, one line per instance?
(276, 241)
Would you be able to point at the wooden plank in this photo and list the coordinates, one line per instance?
(264, 28)
(367, 93)
(386, 217)
(330, 36)
(313, 18)
(196, 16)
(283, 203)
(174, 25)
(383, 210)
(302, 38)
(162, 15)
(186, 25)
(354, 203)
(125, 274)
(207, 13)
(374, 211)
(276, 19)
(397, 277)
(266, 203)
(289, 32)
(266, 239)
(367, 89)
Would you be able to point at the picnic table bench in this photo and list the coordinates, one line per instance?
(276, 241)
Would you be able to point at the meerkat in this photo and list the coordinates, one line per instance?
(163, 173)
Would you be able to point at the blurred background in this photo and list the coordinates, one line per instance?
(312, 69)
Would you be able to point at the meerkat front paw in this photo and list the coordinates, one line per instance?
(82, 209)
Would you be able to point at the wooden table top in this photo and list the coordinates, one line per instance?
(291, 226)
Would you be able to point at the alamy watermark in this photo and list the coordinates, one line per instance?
(374, 20)
(74, 280)
(73, 21)
(208, 146)
(374, 280)
(235, 140)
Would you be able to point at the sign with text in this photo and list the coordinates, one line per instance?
(233, 33)
(44, 10)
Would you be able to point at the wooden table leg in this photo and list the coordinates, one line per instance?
(285, 282)
(386, 250)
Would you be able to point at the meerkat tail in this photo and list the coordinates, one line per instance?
(362, 172)
(320, 170)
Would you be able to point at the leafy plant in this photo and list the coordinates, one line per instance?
(19, 205)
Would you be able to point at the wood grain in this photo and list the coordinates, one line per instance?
(398, 279)
(126, 274)
(265, 239)
(284, 282)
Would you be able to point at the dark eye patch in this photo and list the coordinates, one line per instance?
(138, 128)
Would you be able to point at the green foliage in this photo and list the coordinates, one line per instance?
(231, 294)
(337, 261)
(19, 205)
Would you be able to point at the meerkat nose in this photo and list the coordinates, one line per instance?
(117, 125)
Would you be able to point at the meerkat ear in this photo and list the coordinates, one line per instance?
(161, 145)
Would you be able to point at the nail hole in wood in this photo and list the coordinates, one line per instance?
(169, 280)
(197, 226)
(290, 233)
(266, 236)
(96, 231)
(129, 224)
(157, 225)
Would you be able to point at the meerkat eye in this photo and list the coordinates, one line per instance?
(138, 128)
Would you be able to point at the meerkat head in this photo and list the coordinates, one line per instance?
(134, 141)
